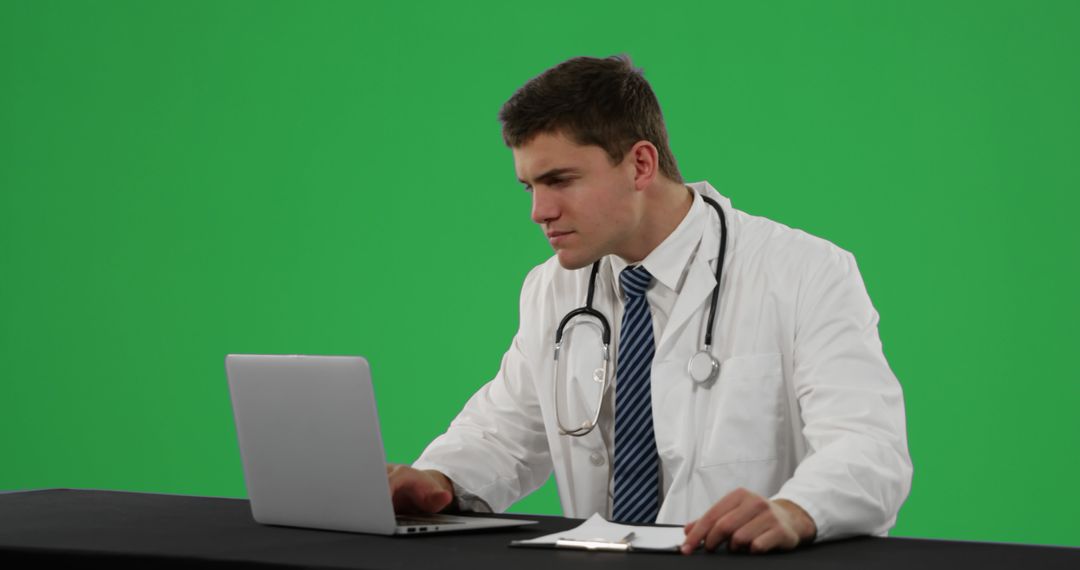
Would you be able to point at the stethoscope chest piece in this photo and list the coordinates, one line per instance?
(703, 368)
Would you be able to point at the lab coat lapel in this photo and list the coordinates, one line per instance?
(697, 288)
(694, 297)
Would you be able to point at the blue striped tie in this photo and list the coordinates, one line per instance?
(637, 464)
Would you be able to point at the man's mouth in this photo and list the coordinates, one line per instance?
(557, 237)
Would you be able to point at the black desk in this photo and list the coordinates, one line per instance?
(134, 529)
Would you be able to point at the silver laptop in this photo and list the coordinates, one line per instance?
(311, 448)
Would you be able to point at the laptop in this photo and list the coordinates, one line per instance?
(311, 448)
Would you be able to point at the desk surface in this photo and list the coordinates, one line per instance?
(128, 529)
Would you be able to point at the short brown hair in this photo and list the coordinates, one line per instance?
(603, 102)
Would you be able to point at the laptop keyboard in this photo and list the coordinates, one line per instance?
(424, 521)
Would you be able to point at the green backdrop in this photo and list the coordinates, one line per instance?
(181, 180)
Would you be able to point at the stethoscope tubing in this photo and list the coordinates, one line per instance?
(711, 367)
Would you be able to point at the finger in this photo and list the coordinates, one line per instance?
(437, 500)
(401, 496)
(425, 494)
(693, 539)
(727, 525)
(742, 538)
(687, 548)
(408, 493)
(402, 503)
(694, 536)
(411, 500)
(399, 478)
(702, 525)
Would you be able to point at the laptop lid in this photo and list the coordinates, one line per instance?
(310, 442)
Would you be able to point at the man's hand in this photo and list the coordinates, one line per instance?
(750, 522)
(415, 491)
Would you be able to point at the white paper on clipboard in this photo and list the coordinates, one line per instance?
(609, 536)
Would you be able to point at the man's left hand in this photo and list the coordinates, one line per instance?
(750, 523)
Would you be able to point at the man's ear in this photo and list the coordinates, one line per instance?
(646, 163)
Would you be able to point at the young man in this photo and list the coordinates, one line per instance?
(789, 428)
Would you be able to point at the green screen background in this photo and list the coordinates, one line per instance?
(182, 180)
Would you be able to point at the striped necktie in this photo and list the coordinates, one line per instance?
(637, 464)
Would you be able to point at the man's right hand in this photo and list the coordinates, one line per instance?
(415, 491)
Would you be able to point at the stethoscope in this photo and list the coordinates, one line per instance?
(702, 367)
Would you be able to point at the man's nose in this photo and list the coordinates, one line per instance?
(544, 208)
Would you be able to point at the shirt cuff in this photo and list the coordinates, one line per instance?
(810, 509)
(468, 502)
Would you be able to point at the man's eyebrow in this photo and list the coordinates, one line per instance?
(553, 173)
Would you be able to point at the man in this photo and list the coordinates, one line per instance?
(798, 432)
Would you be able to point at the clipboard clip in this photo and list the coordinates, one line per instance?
(602, 544)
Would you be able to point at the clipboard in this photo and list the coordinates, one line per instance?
(598, 543)
(599, 535)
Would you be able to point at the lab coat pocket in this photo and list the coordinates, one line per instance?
(744, 411)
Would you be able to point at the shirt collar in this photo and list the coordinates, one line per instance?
(668, 261)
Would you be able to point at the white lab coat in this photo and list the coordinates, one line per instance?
(805, 407)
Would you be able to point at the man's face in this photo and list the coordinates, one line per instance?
(584, 204)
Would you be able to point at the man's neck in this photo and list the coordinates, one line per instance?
(664, 213)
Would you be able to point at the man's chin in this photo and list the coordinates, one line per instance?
(569, 260)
